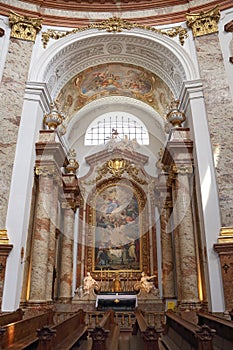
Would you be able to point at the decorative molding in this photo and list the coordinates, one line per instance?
(117, 167)
(24, 27)
(226, 235)
(182, 169)
(45, 170)
(4, 237)
(204, 22)
(229, 27)
(115, 25)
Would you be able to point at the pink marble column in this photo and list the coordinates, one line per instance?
(41, 239)
(66, 271)
(52, 242)
(168, 264)
(184, 224)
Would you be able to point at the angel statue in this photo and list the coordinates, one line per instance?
(145, 283)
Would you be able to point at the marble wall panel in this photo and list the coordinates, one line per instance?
(11, 95)
(219, 107)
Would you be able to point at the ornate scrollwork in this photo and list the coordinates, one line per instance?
(45, 170)
(24, 27)
(182, 169)
(115, 25)
(204, 22)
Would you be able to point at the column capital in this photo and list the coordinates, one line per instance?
(24, 27)
(226, 235)
(182, 169)
(204, 22)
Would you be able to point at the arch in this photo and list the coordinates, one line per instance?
(75, 52)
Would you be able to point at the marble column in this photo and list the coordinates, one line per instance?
(41, 239)
(52, 241)
(168, 264)
(219, 104)
(12, 89)
(184, 223)
(66, 271)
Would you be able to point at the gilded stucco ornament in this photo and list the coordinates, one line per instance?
(73, 165)
(204, 22)
(182, 169)
(174, 115)
(4, 237)
(54, 118)
(226, 235)
(115, 25)
(24, 27)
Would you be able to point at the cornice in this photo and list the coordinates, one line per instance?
(142, 15)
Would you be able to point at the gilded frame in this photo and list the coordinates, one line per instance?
(127, 264)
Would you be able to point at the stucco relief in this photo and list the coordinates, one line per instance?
(88, 52)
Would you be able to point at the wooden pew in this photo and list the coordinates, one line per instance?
(10, 317)
(181, 334)
(63, 335)
(224, 329)
(21, 334)
(150, 334)
(105, 335)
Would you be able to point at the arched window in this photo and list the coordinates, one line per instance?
(117, 124)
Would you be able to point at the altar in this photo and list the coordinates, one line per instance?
(116, 301)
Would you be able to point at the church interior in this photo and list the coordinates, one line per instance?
(116, 196)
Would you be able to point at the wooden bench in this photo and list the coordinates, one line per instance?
(150, 334)
(10, 317)
(21, 334)
(63, 335)
(181, 334)
(105, 335)
(224, 329)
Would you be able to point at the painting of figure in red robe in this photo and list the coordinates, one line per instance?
(117, 229)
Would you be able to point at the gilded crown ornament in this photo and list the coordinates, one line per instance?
(54, 118)
(174, 115)
(24, 27)
(73, 165)
(204, 22)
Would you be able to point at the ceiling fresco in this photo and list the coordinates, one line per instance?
(114, 79)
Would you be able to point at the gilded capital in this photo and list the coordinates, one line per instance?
(182, 169)
(24, 27)
(45, 170)
(226, 235)
(4, 237)
(204, 22)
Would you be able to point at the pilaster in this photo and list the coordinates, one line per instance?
(219, 104)
(12, 93)
(50, 158)
(69, 206)
(178, 160)
(168, 266)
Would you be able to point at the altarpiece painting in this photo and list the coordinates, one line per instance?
(117, 241)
